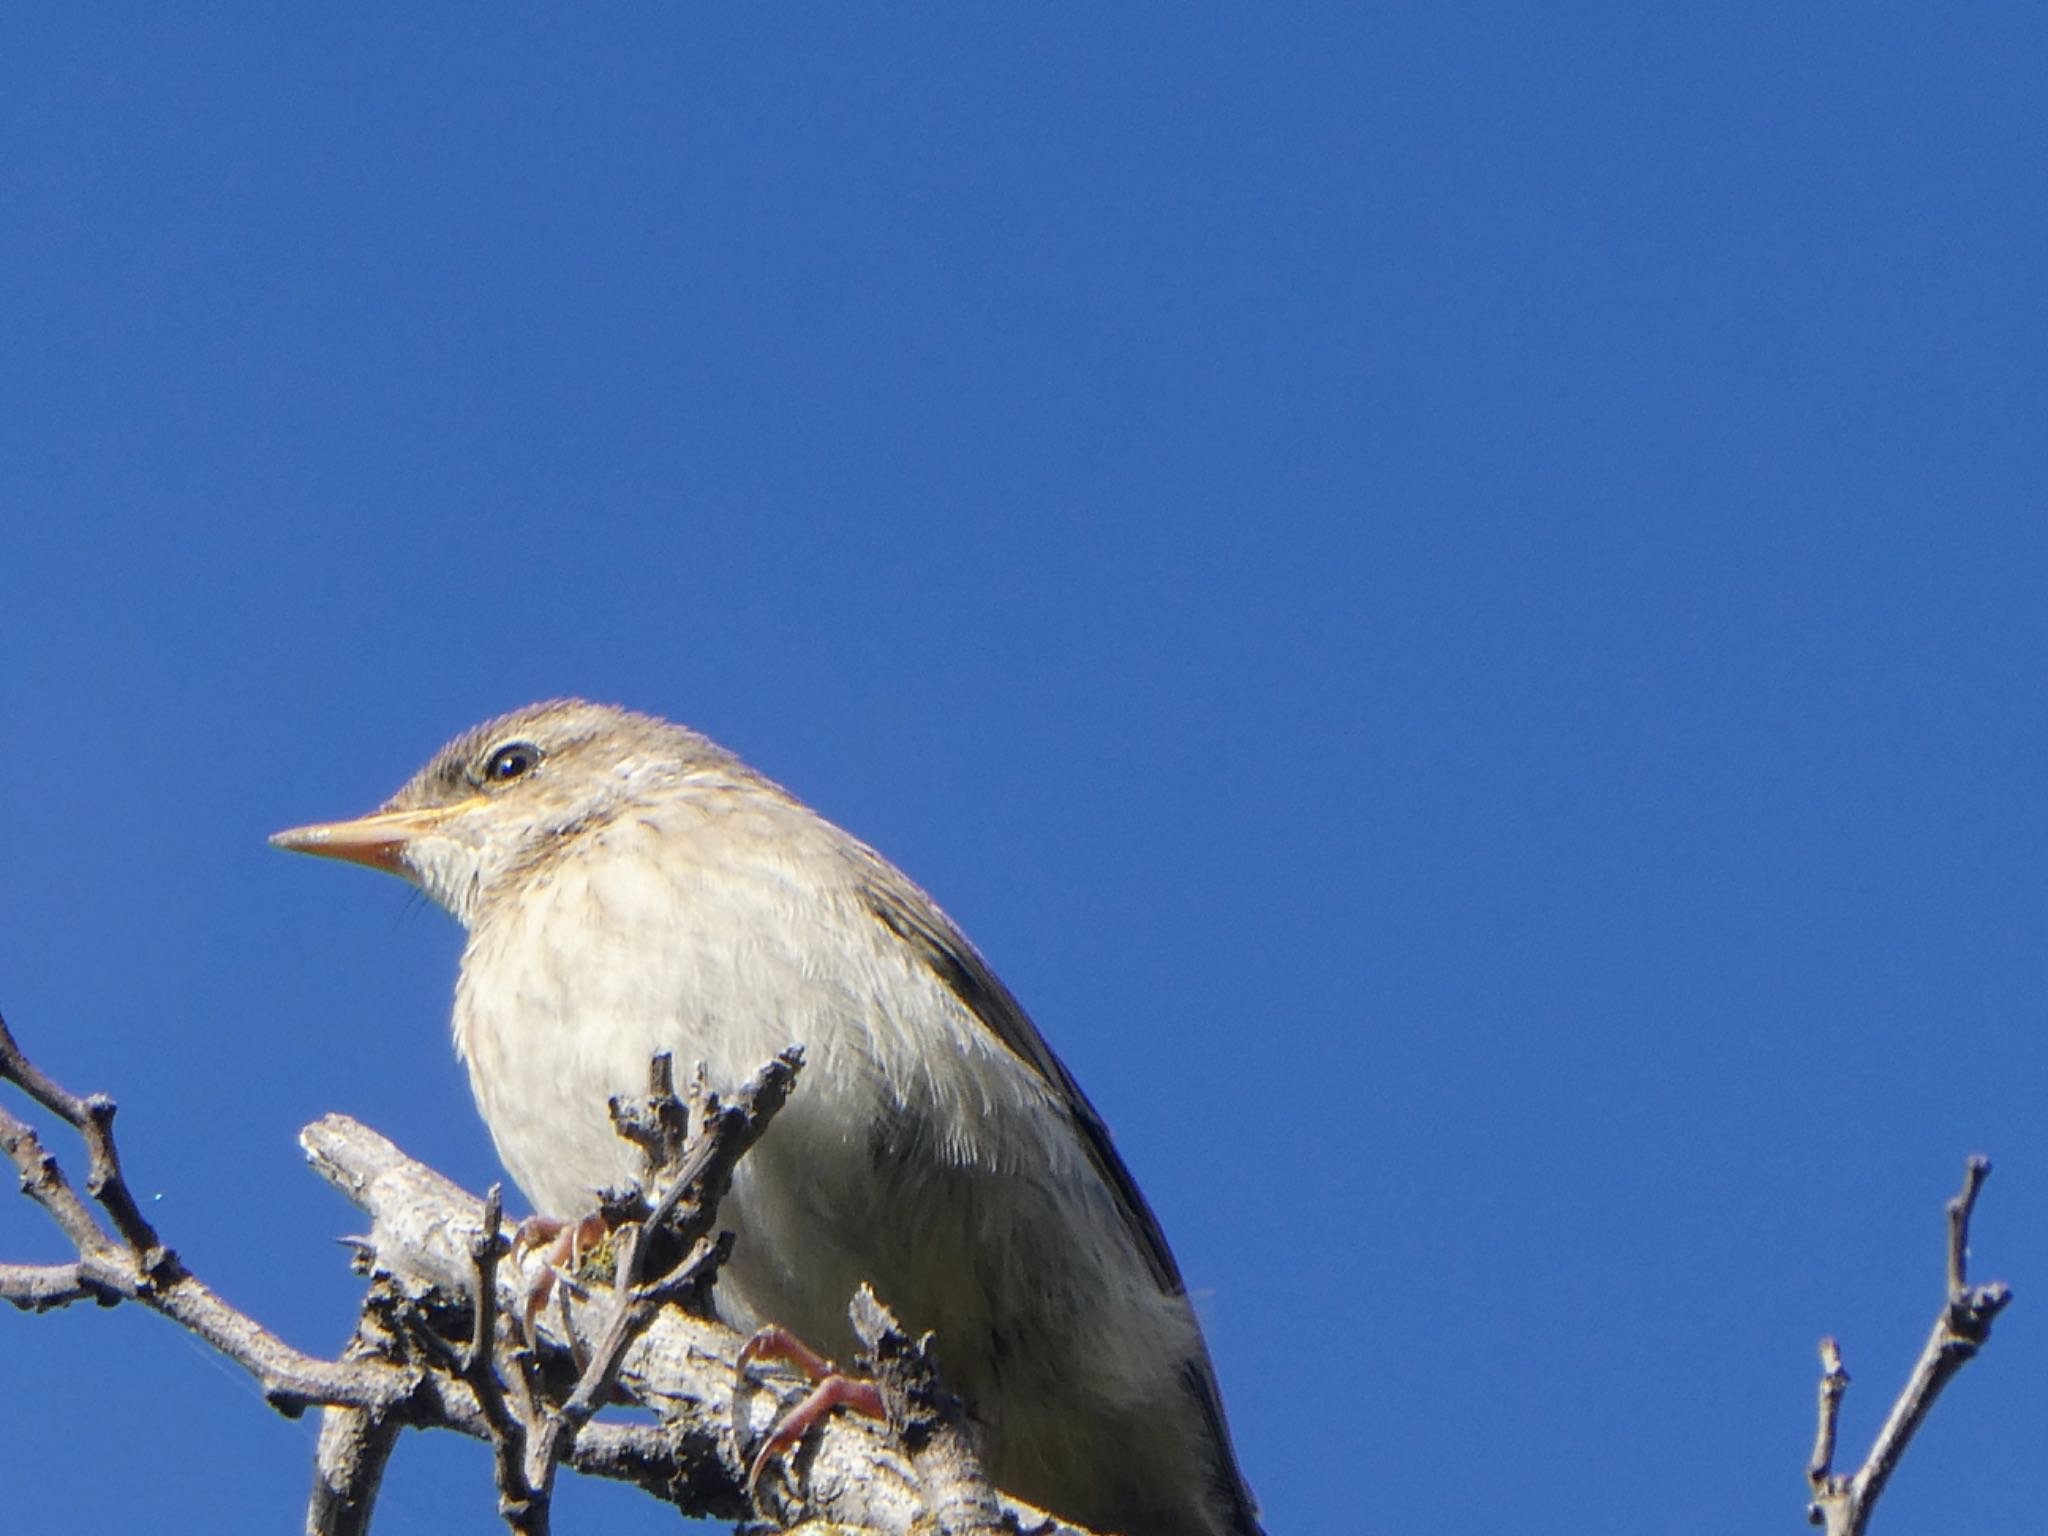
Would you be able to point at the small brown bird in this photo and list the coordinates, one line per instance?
(629, 887)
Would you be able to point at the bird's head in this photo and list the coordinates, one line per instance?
(500, 800)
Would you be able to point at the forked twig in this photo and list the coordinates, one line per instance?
(130, 1262)
(690, 1149)
(1843, 1502)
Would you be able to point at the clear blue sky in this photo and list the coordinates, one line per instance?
(1454, 594)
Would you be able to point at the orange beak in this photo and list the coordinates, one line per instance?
(375, 840)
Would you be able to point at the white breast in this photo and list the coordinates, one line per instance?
(653, 938)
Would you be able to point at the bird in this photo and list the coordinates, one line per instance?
(630, 887)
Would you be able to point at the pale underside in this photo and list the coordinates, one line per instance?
(960, 1174)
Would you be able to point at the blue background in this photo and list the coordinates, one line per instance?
(1454, 594)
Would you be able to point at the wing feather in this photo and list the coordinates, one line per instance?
(914, 918)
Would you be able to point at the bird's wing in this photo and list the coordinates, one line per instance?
(909, 914)
(914, 918)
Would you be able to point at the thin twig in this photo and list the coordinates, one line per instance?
(93, 1119)
(523, 1508)
(690, 1151)
(44, 1182)
(1843, 1503)
(132, 1264)
(1834, 1381)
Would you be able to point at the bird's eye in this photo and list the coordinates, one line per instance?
(514, 760)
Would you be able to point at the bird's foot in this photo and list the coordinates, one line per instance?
(547, 1249)
(830, 1388)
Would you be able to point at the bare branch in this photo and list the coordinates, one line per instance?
(423, 1349)
(1834, 1381)
(522, 1504)
(690, 1150)
(930, 1422)
(355, 1447)
(348, 1470)
(691, 1147)
(683, 1366)
(42, 1287)
(93, 1119)
(1843, 1503)
(1960, 1210)
(44, 1182)
(133, 1265)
